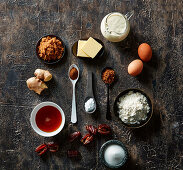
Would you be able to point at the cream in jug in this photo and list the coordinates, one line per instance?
(115, 26)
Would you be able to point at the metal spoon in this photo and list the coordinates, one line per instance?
(90, 92)
(73, 114)
(108, 114)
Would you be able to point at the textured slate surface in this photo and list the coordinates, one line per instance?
(159, 23)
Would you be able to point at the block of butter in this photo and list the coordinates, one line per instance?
(80, 53)
(91, 47)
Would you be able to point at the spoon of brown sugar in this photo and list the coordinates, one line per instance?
(108, 76)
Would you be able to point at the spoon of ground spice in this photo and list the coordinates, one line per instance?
(108, 76)
(73, 76)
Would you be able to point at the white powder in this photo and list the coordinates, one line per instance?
(90, 105)
(133, 108)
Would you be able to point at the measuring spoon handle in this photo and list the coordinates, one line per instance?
(90, 85)
(73, 114)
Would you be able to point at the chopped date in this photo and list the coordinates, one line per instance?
(74, 136)
(53, 147)
(104, 129)
(73, 153)
(91, 129)
(43, 148)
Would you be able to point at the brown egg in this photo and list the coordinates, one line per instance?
(145, 52)
(135, 67)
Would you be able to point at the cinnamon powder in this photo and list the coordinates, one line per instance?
(73, 73)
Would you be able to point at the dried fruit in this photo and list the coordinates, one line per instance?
(41, 149)
(91, 129)
(104, 129)
(73, 153)
(53, 147)
(73, 136)
(87, 139)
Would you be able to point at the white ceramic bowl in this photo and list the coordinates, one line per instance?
(33, 119)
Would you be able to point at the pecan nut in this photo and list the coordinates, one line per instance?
(91, 129)
(104, 129)
(87, 139)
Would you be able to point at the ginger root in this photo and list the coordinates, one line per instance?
(36, 84)
(44, 75)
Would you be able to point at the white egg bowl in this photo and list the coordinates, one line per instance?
(33, 119)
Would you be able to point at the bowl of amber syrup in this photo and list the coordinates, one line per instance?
(47, 119)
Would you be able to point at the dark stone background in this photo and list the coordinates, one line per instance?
(158, 145)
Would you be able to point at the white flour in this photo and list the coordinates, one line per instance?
(133, 108)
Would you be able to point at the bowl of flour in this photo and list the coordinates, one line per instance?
(133, 107)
